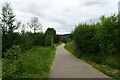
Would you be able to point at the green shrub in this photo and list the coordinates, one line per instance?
(26, 41)
(107, 34)
(13, 53)
(38, 39)
(100, 42)
(48, 39)
(8, 40)
(84, 38)
(99, 38)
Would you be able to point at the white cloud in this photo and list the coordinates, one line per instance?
(62, 15)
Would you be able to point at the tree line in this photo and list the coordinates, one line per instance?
(25, 39)
(101, 37)
(100, 41)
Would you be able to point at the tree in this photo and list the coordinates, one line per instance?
(48, 39)
(57, 39)
(50, 32)
(108, 34)
(102, 37)
(119, 18)
(8, 19)
(0, 28)
(84, 38)
(8, 26)
(34, 23)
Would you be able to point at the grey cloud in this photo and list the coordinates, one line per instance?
(63, 15)
(95, 3)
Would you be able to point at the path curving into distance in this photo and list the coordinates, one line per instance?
(65, 65)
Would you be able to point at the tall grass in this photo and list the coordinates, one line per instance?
(35, 63)
(0, 69)
(99, 43)
(108, 64)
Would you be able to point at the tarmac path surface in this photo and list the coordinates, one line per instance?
(65, 65)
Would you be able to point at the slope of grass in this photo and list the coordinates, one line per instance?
(105, 65)
(35, 63)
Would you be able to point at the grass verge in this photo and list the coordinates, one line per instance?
(103, 67)
(0, 69)
(35, 63)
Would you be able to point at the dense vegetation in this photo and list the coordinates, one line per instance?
(35, 63)
(27, 53)
(29, 35)
(26, 44)
(101, 37)
(98, 43)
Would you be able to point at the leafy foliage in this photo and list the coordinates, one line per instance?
(9, 40)
(99, 43)
(101, 37)
(107, 34)
(8, 25)
(38, 39)
(13, 53)
(51, 37)
(35, 63)
(48, 39)
(84, 37)
(18, 48)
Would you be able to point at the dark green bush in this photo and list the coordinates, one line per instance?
(84, 38)
(8, 40)
(26, 41)
(99, 42)
(101, 37)
(48, 39)
(107, 34)
(38, 39)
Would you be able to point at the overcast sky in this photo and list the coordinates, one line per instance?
(62, 15)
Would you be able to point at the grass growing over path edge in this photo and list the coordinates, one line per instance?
(35, 63)
(101, 67)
